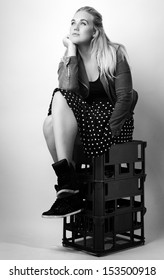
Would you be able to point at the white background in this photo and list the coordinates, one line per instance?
(31, 33)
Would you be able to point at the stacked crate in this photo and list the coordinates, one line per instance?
(112, 186)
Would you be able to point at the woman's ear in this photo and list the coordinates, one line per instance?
(95, 33)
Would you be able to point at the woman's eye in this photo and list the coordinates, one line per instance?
(82, 23)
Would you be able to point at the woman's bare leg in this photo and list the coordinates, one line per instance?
(49, 137)
(60, 131)
(64, 127)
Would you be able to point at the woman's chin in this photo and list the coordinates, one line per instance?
(75, 41)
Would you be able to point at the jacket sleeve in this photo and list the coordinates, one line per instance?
(68, 74)
(123, 91)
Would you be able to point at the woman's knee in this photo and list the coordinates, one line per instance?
(59, 102)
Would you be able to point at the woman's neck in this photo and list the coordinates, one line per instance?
(90, 63)
(85, 52)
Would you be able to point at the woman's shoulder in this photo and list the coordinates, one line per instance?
(121, 52)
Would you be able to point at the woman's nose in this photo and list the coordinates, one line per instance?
(76, 27)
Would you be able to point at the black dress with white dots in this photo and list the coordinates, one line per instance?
(93, 115)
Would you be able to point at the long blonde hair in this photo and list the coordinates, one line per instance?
(104, 49)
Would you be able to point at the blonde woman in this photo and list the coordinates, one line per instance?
(94, 99)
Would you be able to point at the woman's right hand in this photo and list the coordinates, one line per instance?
(67, 42)
(71, 47)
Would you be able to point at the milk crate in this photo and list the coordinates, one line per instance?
(97, 235)
(112, 187)
(121, 161)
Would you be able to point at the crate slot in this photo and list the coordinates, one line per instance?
(124, 168)
(139, 151)
(138, 167)
(123, 203)
(110, 171)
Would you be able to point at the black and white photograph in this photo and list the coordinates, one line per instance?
(81, 122)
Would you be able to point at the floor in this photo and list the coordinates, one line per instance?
(152, 250)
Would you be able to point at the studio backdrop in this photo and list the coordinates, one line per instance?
(31, 47)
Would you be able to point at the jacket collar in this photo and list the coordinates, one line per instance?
(82, 75)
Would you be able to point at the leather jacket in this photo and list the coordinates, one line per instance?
(72, 76)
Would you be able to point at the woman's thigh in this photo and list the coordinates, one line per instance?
(48, 128)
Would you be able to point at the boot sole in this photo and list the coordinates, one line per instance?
(62, 216)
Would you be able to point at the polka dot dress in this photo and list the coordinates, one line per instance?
(93, 117)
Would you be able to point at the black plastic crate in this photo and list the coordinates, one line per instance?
(112, 187)
(101, 197)
(101, 235)
(121, 161)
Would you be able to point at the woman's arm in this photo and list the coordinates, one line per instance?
(68, 67)
(123, 91)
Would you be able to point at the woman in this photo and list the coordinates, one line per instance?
(95, 99)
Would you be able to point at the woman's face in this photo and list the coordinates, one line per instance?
(82, 28)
